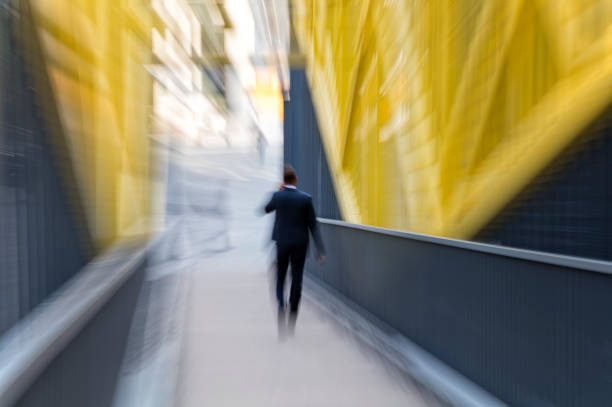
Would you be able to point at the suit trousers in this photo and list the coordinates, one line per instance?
(296, 255)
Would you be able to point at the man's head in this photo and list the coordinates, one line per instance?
(289, 175)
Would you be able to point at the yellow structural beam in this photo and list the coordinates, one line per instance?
(435, 114)
(94, 54)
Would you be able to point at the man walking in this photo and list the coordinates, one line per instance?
(261, 146)
(295, 216)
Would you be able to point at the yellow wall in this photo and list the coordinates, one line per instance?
(267, 93)
(434, 114)
(95, 53)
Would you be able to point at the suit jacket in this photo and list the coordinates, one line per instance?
(295, 216)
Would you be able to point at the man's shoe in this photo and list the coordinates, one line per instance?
(292, 320)
(282, 322)
(282, 310)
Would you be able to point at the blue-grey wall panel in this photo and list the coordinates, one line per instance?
(39, 244)
(303, 148)
(531, 333)
(86, 372)
(568, 208)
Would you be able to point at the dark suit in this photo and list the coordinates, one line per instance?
(295, 216)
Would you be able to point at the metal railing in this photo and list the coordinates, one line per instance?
(69, 349)
(41, 244)
(530, 328)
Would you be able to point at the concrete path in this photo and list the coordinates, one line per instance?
(232, 353)
(223, 326)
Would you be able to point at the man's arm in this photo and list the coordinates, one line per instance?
(271, 205)
(314, 230)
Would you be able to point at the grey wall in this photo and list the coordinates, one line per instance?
(303, 148)
(529, 331)
(568, 208)
(86, 372)
(39, 244)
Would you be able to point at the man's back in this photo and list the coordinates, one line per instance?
(294, 217)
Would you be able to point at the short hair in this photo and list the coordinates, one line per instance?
(289, 175)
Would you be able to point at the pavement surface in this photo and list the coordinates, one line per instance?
(234, 354)
(211, 336)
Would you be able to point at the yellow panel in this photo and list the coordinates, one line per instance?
(95, 52)
(435, 114)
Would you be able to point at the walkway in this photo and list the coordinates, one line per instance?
(232, 354)
(212, 282)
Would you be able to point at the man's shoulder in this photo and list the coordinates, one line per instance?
(296, 193)
(303, 194)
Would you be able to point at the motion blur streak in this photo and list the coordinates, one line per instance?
(464, 102)
(95, 54)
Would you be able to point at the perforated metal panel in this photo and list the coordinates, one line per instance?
(303, 148)
(533, 330)
(568, 208)
(39, 246)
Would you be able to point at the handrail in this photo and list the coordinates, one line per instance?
(598, 266)
(30, 346)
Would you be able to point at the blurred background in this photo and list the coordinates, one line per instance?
(139, 140)
(114, 114)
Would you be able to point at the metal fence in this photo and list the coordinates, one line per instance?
(69, 350)
(303, 148)
(533, 329)
(39, 244)
(567, 209)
